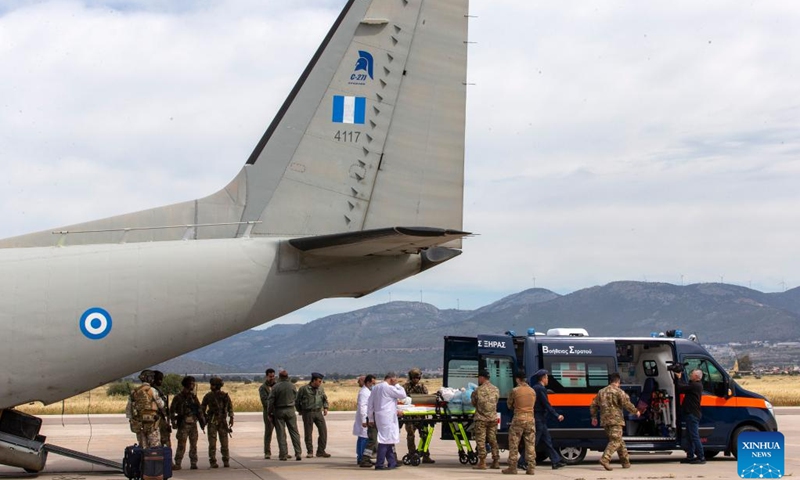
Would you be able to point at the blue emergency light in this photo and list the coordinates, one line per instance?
(531, 332)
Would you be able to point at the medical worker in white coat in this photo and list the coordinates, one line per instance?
(360, 429)
(382, 411)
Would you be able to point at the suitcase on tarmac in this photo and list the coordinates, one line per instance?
(157, 463)
(132, 462)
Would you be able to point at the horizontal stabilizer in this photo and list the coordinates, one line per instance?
(382, 241)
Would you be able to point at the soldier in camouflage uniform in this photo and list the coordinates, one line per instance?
(312, 403)
(217, 409)
(164, 428)
(144, 405)
(414, 387)
(611, 400)
(269, 427)
(185, 415)
(485, 399)
(521, 401)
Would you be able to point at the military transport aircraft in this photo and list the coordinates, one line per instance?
(356, 184)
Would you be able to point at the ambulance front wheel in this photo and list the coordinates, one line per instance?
(572, 455)
(735, 437)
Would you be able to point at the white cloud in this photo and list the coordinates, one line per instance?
(605, 140)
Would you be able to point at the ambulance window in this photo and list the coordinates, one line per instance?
(713, 379)
(569, 374)
(501, 373)
(461, 372)
(598, 374)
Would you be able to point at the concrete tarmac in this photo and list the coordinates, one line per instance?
(107, 435)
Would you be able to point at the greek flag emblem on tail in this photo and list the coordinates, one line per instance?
(349, 109)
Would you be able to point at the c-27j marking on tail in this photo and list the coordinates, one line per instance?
(356, 184)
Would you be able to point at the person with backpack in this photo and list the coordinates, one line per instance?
(144, 405)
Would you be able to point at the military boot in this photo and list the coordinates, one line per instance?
(606, 464)
(481, 464)
(626, 463)
(177, 466)
(495, 463)
(511, 470)
(529, 470)
(226, 464)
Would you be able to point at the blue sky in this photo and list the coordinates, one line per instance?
(606, 141)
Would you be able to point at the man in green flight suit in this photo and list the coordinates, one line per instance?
(312, 403)
(269, 427)
(281, 405)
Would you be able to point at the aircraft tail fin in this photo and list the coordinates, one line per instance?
(372, 135)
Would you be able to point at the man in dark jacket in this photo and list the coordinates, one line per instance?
(690, 408)
(541, 410)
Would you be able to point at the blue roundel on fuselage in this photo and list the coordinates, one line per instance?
(95, 323)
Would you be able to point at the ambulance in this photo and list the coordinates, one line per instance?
(579, 366)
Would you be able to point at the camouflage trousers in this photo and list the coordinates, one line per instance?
(410, 443)
(616, 444)
(486, 432)
(525, 429)
(187, 430)
(164, 431)
(215, 431)
(148, 436)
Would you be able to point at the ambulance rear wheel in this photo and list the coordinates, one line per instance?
(710, 453)
(735, 438)
(572, 455)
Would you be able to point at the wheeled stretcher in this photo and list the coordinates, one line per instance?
(425, 417)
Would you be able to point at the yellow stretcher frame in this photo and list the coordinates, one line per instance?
(425, 421)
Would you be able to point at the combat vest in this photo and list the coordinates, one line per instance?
(144, 406)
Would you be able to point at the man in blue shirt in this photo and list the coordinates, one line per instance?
(541, 410)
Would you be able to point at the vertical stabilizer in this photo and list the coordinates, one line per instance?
(383, 144)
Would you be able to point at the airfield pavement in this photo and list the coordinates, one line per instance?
(107, 435)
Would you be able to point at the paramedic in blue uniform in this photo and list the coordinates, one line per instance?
(541, 410)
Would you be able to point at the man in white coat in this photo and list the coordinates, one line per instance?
(382, 412)
(360, 429)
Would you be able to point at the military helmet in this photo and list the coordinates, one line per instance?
(147, 376)
(216, 382)
(415, 372)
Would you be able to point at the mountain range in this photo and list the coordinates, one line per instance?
(399, 335)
